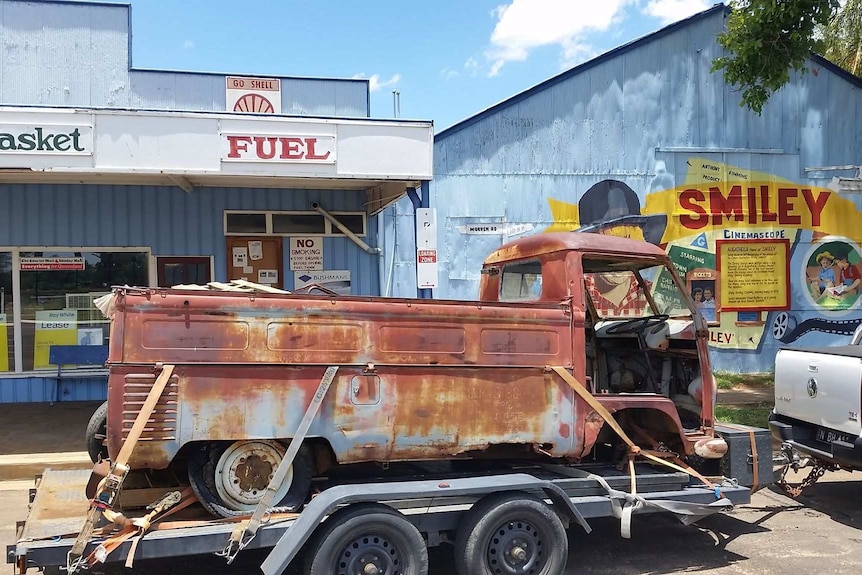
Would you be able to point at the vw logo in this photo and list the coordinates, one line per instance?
(812, 387)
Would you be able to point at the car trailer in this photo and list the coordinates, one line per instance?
(385, 523)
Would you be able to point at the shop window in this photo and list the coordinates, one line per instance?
(296, 224)
(7, 350)
(57, 293)
(521, 281)
(248, 223)
(291, 223)
(173, 271)
(353, 222)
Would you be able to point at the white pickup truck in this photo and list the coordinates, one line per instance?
(818, 402)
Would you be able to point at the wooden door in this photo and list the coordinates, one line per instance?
(256, 259)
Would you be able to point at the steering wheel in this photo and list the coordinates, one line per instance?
(637, 325)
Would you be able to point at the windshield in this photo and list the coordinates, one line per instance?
(617, 293)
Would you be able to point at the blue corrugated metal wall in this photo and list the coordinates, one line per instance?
(78, 54)
(32, 389)
(618, 117)
(169, 221)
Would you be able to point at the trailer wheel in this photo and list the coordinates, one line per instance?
(511, 533)
(367, 539)
(97, 432)
(230, 479)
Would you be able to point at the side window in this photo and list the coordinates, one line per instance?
(521, 281)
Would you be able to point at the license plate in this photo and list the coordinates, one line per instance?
(828, 436)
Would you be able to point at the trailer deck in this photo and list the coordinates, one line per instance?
(433, 500)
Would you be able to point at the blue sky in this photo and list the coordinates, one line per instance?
(448, 58)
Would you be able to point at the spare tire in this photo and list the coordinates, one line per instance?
(97, 432)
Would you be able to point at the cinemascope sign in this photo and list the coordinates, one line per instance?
(277, 148)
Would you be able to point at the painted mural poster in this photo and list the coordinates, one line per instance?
(768, 261)
(4, 345)
(53, 327)
(754, 274)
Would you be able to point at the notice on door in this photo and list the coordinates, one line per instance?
(240, 257)
(54, 327)
(753, 274)
(306, 254)
(4, 344)
(255, 250)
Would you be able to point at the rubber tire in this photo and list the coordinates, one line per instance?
(201, 470)
(97, 425)
(489, 513)
(345, 525)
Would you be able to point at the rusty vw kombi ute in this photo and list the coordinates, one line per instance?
(417, 379)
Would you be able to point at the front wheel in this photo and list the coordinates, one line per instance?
(509, 534)
(365, 539)
(231, 479)
(97, 432)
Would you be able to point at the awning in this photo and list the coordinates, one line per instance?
(380, 158)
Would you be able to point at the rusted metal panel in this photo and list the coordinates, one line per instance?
(447, 378)
(175, 326)
(310, 333)
(542, 244)
(180, 333)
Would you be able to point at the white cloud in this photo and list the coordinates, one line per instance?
(188, 44)
(673, 10)
(523, 25)
(448, 73)
(374, 82)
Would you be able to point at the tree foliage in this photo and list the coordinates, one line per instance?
(842, 38)
(766, 39)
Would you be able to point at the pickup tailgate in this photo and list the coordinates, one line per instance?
(821, 387)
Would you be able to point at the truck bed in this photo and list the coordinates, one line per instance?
(58, 509)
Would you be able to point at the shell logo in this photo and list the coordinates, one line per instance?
(253, 95)
(253, 103)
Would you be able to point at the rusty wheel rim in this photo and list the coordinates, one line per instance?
(244, 471)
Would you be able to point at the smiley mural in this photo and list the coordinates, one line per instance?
(767, 260)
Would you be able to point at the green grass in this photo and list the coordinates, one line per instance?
(754, 415)
(730, 380)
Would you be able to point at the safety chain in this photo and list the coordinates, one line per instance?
(795, 490)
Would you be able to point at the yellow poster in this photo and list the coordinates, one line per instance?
(54, 327)
(753, 274)
(4, 344)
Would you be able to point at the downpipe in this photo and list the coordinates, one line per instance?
(344, 230)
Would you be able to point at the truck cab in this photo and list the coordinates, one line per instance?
(639, 343)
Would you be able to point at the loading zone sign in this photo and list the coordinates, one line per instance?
(306, 254)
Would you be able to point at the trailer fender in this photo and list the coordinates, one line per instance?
(326, 502)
